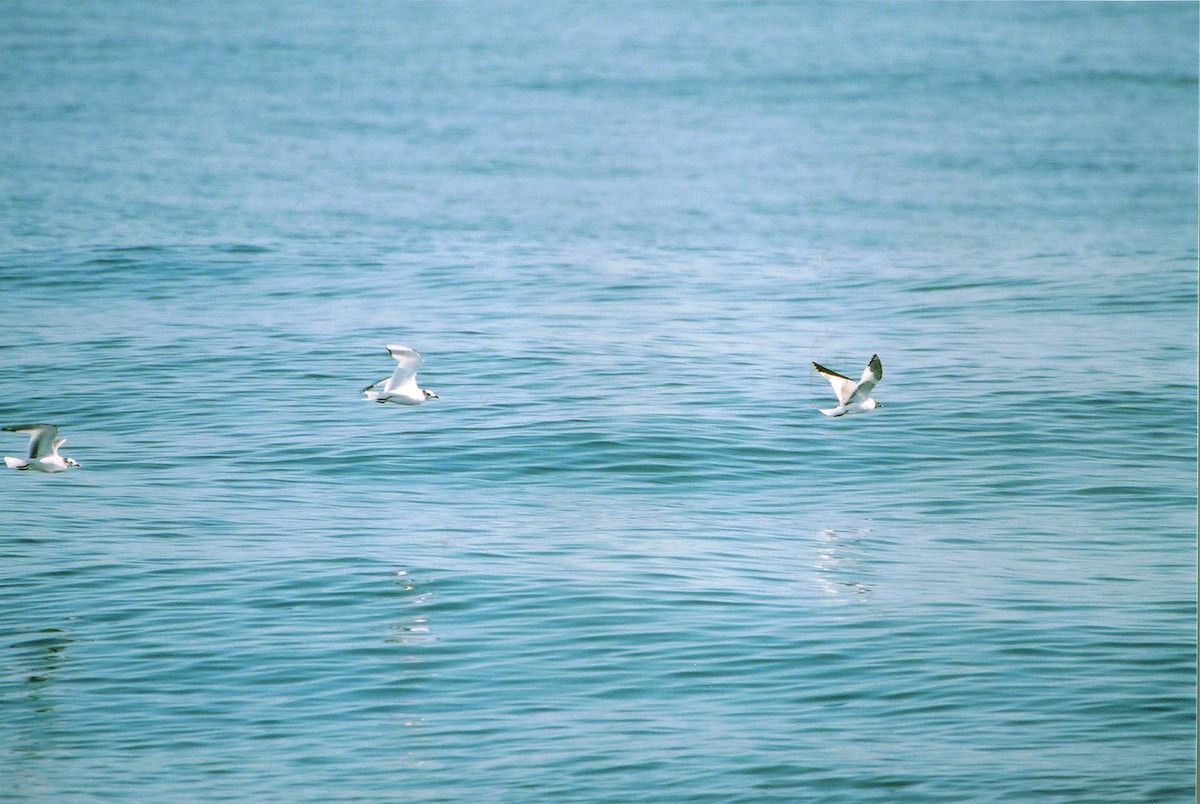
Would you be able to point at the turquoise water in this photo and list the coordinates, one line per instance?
(623, 557)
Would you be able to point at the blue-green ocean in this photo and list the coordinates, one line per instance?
(622, 557)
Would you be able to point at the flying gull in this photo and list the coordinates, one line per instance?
(401, 387)
(853, 397)
(43, 449)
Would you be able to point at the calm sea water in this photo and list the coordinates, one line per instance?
(622, 558)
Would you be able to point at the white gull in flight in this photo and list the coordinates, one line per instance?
(43, 449)
(853, 397)
(401, 387)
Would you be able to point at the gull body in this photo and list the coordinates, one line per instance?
(401, 387)
(43, 449)
(853, 396)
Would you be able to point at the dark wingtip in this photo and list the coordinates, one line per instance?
(829, 372)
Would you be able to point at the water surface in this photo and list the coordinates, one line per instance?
(622, 558)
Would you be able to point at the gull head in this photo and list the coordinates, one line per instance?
(71, 462)
(429, 394)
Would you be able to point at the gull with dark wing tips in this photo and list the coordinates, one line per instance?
(853, 397)
(43, 449)
(401, 387)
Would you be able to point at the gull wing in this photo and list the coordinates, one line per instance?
(41, 438)
(843, 386)
(407, 363)
(872, 374)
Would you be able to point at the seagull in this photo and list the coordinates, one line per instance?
(43, 449)
(401, 387)
(853, 397)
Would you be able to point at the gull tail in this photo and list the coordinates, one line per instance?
(15, 463)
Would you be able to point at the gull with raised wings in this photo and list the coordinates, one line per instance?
(401, 387)
(853, 397)
(43, 449)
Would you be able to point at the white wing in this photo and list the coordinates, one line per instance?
(842, 386)
(407, 363)
(41, 437)
(872, 374)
